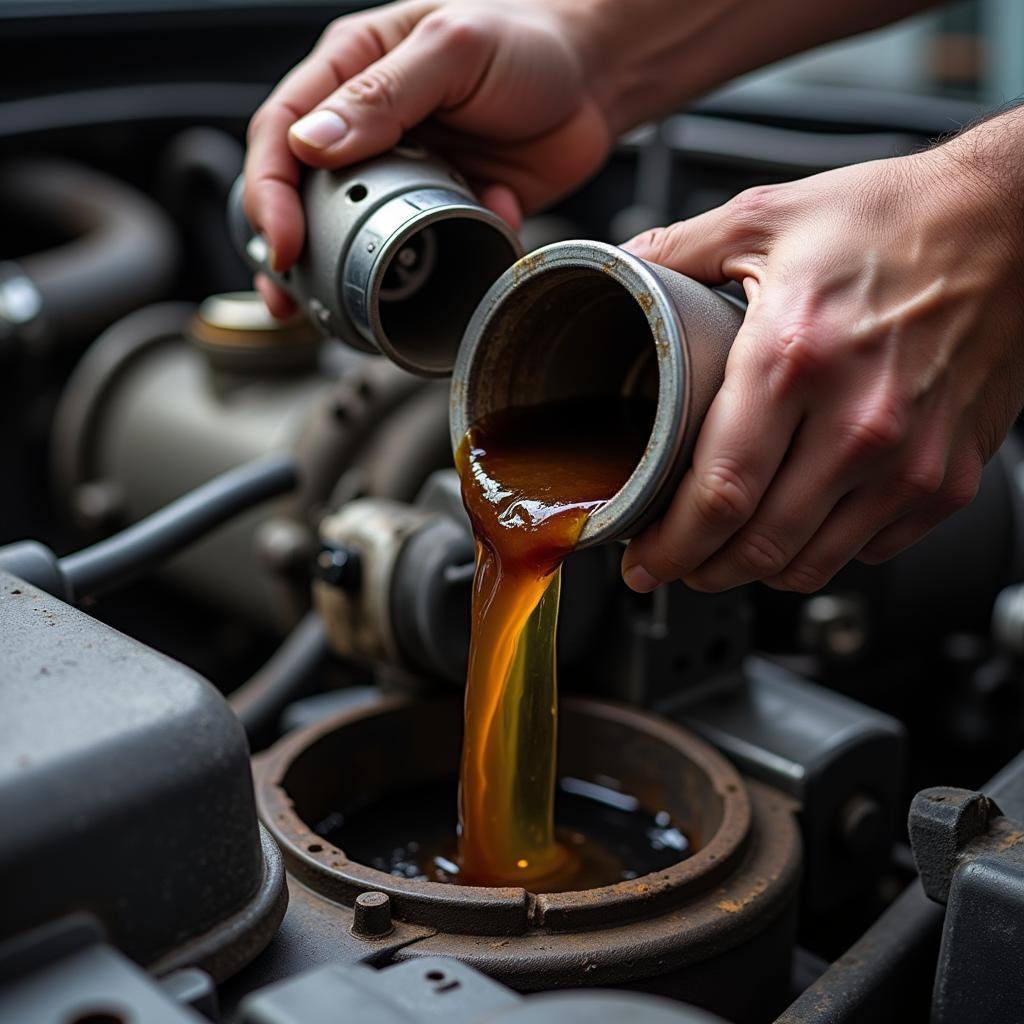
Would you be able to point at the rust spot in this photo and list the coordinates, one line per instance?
(660, 340)
(646, 300)
(1011, 839)
(736, 905)
(527, 265)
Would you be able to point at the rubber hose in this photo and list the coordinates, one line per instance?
(164, 533)
(286, 676)
(123, 251)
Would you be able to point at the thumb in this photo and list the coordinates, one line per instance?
(699, 247)
(436, 67)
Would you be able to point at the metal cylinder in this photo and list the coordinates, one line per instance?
(398, 253)
(171, 396)
(585, 319)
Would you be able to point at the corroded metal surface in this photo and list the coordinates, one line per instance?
(731, 903)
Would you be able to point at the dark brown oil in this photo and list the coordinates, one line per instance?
(613, 838)
(530, 479)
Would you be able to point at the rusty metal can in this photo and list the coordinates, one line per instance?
(583, 319)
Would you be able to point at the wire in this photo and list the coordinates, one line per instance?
(164, 533)
(283, 678)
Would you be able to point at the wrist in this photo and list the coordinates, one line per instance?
(980, 175)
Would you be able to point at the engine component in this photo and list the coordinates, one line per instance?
(126, 757)
(115, 560)
(398, 253)
(844, 764)
(726, 911)
(63, 972)
(117, 252)
(393, 584)
(259, 701)
(437, 988)
(585, 319)
(171, 396)
(971, 858)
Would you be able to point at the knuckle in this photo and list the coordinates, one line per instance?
(959, 492)
(754, 203)
(759, 554)
(455, 30)
(920, 480)
(801, 350)
(873, 433)
(803, 578)
(377, 88)
(337, 30)
(721, 495)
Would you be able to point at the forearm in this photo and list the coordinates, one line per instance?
(645, 57)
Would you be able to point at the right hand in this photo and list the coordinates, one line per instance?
(506, 88)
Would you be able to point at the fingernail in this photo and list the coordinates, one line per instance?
(639, 579)
(321, 129)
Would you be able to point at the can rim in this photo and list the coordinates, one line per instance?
(631, 504)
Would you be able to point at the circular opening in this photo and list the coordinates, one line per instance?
(569, 332)
(99, 1017)
(397, 753)
(356, 193)
(435, 975)
(314, 848)
(590, 328)
(430, 283)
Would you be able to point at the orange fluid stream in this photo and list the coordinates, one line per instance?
(530, 479)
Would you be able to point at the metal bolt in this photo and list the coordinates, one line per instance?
(98, 503)
(284, 544)
(372, 917)
(861, 824)
(339, 565)
(834, 625)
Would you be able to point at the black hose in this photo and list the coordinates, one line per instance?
(122, 252)
(167, 531)
(285, 677)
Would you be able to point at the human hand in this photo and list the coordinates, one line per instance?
(506, 87)
(877, 370)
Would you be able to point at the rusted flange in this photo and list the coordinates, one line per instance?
(741, 879)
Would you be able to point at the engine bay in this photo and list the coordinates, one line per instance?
(235, 582)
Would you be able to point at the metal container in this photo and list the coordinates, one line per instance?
(398, 253)
(580, 319)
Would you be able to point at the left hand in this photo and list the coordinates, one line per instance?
(880, 365)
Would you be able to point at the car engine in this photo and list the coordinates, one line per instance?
(235, 576)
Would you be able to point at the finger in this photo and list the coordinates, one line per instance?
(435, 68)
(868, 510)
(957, 491)
(271, 201)
(271, 169)
(743, 440)
(539, 169)
(833, 453)
(500, 199)
(725, 243)
(278, 302)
